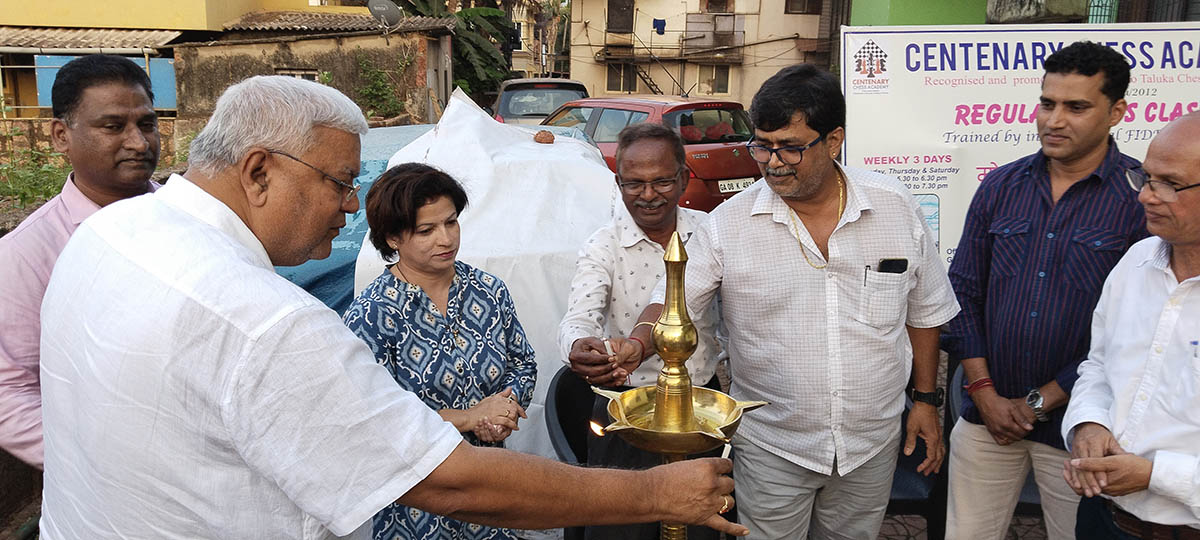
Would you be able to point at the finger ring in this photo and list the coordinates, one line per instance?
(587, 378)
(724, 505)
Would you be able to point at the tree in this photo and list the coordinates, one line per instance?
(479, 65)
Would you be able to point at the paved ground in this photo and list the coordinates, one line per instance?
(913, 528)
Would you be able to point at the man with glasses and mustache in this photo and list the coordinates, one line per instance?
(1040, 236)
(825, 273)
(1133, 423)
(617, 270)
(104, 123)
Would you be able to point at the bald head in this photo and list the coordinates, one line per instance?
(1173, 164)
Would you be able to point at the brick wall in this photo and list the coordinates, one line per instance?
(18, 135)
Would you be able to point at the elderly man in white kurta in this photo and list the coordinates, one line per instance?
(191, 392)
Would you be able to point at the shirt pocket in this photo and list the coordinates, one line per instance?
(884, 298)
(1090, 256)
(1010, 238)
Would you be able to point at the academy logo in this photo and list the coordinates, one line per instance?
(870, 60)
(870, 70)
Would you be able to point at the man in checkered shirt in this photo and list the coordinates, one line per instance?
(832, 293)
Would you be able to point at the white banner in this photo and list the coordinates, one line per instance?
(938, 107)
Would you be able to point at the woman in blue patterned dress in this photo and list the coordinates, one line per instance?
(444, 330)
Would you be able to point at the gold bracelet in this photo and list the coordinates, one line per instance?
(635, 327)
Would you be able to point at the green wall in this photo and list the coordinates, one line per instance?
(917, 12)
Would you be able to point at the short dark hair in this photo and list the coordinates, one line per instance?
(1088, 58)
(93, 70)
(397, 195)
(646, 130)
(800, 88)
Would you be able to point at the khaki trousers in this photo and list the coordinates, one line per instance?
(778, 500)
(986, 481)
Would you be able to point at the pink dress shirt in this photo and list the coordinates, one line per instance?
(27, 256)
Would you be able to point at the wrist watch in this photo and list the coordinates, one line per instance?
(1036, 402)
(935, 398)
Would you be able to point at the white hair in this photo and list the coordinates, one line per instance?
(274, 112)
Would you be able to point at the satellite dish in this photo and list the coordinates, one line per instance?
(385, 11)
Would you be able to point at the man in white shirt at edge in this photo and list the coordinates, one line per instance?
(1133, 423)
(190, 392)
(825, 274)
(616, 272)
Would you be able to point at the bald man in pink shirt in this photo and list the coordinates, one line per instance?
(104, 123)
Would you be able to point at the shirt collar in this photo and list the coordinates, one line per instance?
(78, 206)
(629, 233)
(1159, 257)
(187, 197)
(1108, 170)
(769, 202)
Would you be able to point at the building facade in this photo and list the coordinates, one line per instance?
(719, 48)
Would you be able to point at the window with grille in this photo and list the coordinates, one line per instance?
(621, 78)
(714, 79)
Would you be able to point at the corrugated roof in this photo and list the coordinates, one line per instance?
(311, 21)
(83, 38)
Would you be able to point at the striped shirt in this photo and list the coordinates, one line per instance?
(1028, 273)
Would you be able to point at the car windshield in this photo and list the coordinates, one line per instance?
(702, 126)
(532, 101)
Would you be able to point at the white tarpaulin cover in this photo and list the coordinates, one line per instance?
(531, 207)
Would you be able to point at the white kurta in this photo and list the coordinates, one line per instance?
(190, 392)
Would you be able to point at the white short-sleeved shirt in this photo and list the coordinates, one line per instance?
(191, 392)
(616, 272)
(826, 347)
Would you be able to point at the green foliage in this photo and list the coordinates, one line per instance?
(32, 176)
(378, 90)
(183, 146)
(477, 57)
(479, 65)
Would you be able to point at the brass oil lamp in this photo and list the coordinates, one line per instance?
(674, 418)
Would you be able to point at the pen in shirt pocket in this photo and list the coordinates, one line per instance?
(865, 271)
(1195, 350)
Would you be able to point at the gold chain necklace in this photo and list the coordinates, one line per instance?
(796, 229)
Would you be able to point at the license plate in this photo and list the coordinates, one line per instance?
(734, 185)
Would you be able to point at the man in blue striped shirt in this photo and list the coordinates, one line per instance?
(1040, 236)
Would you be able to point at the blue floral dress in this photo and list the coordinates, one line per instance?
(451, 361)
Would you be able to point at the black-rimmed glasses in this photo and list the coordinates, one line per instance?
(789, 155)
(352, 189)
(660, 186)
(1165, 191)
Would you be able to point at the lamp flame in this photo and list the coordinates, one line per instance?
(596, 428)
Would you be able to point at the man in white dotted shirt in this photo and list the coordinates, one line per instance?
(616, 272)
(826, 274)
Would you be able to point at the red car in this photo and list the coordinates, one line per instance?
(714, 135)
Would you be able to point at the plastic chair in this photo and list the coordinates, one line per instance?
(568, 411)
(916, 494)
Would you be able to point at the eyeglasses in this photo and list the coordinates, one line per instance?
(352, 189)
(1165, 191)
(790, 155)
(660, 186)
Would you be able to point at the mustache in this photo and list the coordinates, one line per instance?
(649, 205)
(782, 171)
(145, 156)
